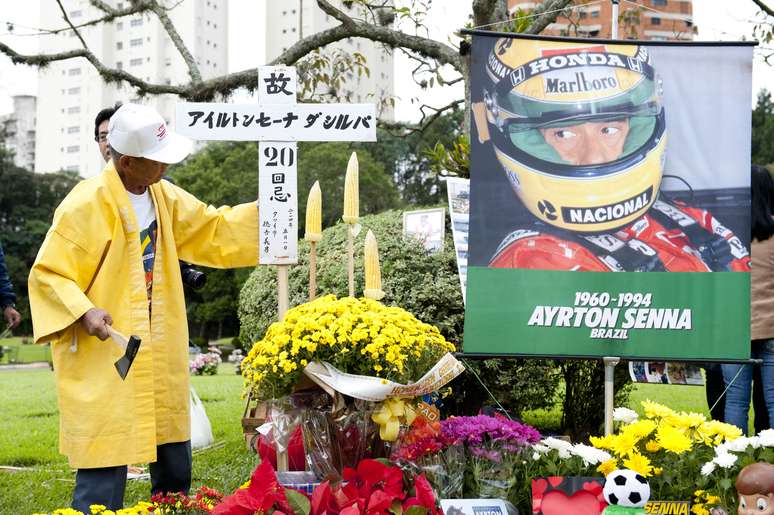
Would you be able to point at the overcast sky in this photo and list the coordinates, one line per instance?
(715, 19)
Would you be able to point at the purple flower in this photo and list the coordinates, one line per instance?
(480, 429)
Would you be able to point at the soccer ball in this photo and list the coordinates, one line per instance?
(626, 488)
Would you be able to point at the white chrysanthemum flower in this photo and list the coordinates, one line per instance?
(590, 455)
(625, 415)
(536, 456)
(754, 442)
(555, 443)
(565, 454)
(767, 437)
(738, 445)
(708, 468)
(725, 460)
(542, 449)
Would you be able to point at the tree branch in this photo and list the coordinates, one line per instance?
(763, 7)
(67, 20)
(193, 69)
(546, 14)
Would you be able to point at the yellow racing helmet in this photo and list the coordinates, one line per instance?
(544, 97)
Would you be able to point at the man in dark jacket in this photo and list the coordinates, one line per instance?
(7, 296)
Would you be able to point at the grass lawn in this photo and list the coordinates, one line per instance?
(23, 353)
(29, 438)
(29, 432)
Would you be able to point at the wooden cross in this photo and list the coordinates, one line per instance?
(277, 122)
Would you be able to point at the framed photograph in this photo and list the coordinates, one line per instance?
(427, 226)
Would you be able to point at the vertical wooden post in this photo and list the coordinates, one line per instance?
(351, 259)
(282, 291)
(312, 270)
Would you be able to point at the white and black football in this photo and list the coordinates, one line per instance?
(626, 488)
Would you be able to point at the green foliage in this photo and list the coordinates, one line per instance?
(327, 163)
(27, 203)
(406, 155)
(763, 129)
(584, 396)
(454, 160)
(424, 284)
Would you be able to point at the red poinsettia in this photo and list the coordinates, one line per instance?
(264, 494)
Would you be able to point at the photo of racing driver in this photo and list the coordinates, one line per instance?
(579, 129)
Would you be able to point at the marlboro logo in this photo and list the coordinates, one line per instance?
(580, 83)
(161, 132)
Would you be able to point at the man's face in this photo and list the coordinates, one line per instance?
(756, 504)
(138, 171)
(102, 132)
(588, 143)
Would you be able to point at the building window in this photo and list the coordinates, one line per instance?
(284, 31)
(120, 25)
(136, 42)
(74, 91)
(168, 61)
(659, 3)
(75, 14)
(136, 22)
(208, 23)
(284, 13)
(75, 129)
(120, 5)
(119, 65)
(72, 168)
(214, 45)
(293, 29)
(594, 33)
(120, 45)
(167, 81)
(688, 23)
(214, 25)
(655, 21)
(73, 110)
(582, 14)
(595, 14)
(73, 148)
(136, 62)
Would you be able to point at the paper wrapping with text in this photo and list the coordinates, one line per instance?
(375, 389)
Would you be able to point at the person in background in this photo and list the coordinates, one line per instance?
(101, 129)
(7, 296)
(110, 258)
(739, 378)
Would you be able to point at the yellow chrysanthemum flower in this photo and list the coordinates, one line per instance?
(673, 439)
(639, 463)
(602, 442)
(606, 467)
(652, 446)
(655, 410)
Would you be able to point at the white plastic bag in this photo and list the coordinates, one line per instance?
(201, 430)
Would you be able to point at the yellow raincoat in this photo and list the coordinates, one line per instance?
(91, 258)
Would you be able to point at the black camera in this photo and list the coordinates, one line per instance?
(192, 277)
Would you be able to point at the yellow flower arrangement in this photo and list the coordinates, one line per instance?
(357, 336)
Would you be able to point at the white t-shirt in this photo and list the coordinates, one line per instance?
(146, 221)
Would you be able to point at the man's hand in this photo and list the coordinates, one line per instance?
(12, 317)
(95, 322)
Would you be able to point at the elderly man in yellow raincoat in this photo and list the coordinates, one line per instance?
(111, 258)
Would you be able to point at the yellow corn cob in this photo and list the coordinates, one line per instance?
(351, 195)
(373, 276)
(314, 214)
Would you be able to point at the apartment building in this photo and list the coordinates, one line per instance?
(289, 20)
(18, 131)
(654, 20)
(71, 92)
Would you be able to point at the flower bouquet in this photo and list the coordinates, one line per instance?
(206, 364)
(352, 349)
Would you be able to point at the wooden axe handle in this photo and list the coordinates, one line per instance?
(117, 337)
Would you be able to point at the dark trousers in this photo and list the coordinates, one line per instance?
(171, 472)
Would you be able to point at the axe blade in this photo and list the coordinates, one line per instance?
(125, 363)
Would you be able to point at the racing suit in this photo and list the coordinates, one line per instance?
(670, 237)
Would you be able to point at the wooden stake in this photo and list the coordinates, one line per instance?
(282, 291)
(351, 259)
(312, 270)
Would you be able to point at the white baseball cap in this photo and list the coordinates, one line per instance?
(140, 131)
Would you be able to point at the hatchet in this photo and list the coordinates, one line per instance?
(130, 345)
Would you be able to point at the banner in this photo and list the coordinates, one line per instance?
(588, 158)
(459, 206)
